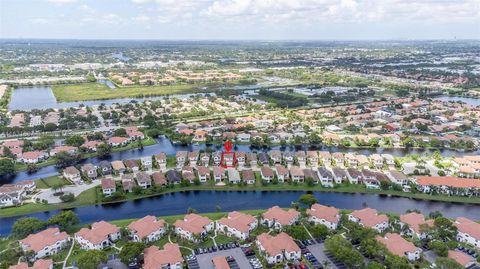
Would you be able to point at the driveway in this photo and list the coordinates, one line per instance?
(318, 250)
(430, 256)
(205, 260)
(47, 194)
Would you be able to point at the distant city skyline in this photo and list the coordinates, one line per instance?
(240, 19)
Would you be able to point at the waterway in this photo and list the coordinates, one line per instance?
(165, 145)
(42, 97)
(207, 201)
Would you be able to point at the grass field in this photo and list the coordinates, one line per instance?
(97, 91)
(48, 182)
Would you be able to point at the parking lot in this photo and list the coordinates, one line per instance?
(318, 251)
(205, 260)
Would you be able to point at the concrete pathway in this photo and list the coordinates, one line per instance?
(68, 255)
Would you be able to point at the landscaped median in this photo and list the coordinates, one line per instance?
(94, 195)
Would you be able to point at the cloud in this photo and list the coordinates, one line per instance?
(39, 21)
(62, 1)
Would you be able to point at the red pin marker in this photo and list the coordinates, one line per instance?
(227, 145)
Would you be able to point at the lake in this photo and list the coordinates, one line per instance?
(466, 100)
(207, 201)
(165, 145)
(42, 97)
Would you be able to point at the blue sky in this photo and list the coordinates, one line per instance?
(240, 19)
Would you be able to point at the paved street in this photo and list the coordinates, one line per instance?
(205, 260)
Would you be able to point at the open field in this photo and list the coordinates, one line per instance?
(48, 182)
(97, 91)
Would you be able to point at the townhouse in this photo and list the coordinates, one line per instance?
(415, 221)
(248, 176)
(297, 174)
(448, 185)
(193, 227)
(267, 174)
(72, 174)
(143, 180)
(147, 229)
(203, 173)
(468, 231)
(45, 243)
(38, 264)
(325, 215)
(399, 246)
(237, 224)
(108, 186)
(340, 175)
(168, 257)
(101, 235)
(278, 248)
(369, 218)
(161, 159)
(89, 170)
(282, 173)
(276, 217)
(326, 177)
(146, 162)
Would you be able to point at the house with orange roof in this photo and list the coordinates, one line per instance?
(117, 141)
(101, 235)
(399, 246)
(168, 257)
(278, 248)
(468, 231)
(448, 185)
(147, 229)
(462, 258)
(237, 224)
(415, 221)
(45, 243)
(33, 157)
(193, 227)
(277, 217)
(369, 217)
(38, 264)
(325, 215)
(67, 149)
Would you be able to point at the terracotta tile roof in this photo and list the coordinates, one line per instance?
(274, 245)
(156, 258)
(454, 182)
(99, 232)
(117, 165)
(71, 170)
(63, 149)
(468, 226)
(328, 213)
(117, 140)
(369, 217)
(159, 178)
(39, 264)
(284, 217)
(414, 220)
(40, 240)
(267, 171)
(239, 221)
(108, 183)
(146, 225)
(220, 262)
(460, 257)
(396, 244)
(193, 223)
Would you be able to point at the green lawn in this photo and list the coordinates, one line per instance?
(48, 182)
(97, 91)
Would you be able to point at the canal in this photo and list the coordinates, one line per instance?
(207, 201)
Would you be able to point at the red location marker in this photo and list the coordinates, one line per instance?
(227, 145)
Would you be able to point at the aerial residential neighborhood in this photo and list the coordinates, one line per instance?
(239, 134)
